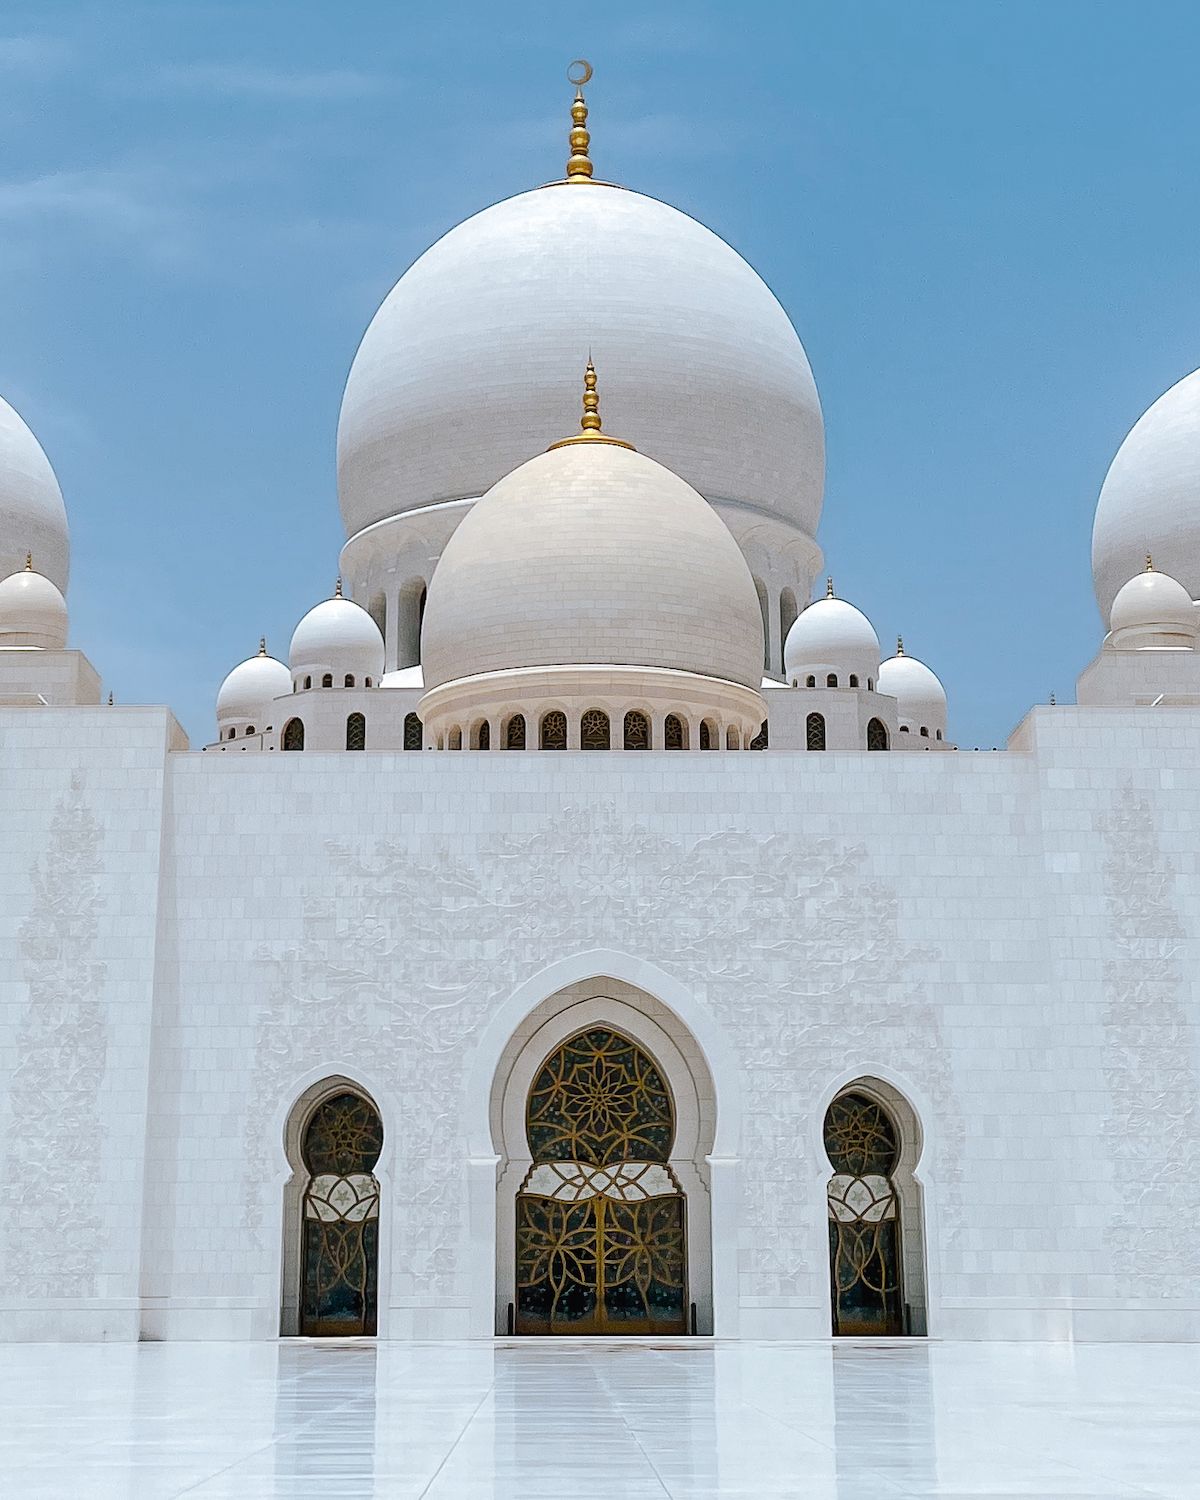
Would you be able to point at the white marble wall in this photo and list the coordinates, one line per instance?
(1006, 938)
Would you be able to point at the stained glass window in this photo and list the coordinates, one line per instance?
(593, 730)
(877, 738)
(761, 739)
(485, 736)
(341, 1218)
(413, 732)
(864, 1218)
(673, 735)
(293, 735)
(600, 1218)
(814, 731)
(554, 731)
(515, 739)
(356, 732)
(637, 731)
(706, 735)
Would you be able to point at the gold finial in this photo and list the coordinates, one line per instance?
(262, 645)
(899, 645)
(1149, 563)
(1053, 700)
(337, 588)
(29, 562)
(579, 166)
(590, 422)
(829, 594)
(110, 700)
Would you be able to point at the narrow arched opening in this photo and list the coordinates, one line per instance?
(637, 731)
(514, 735)
(554, 730)
(877, 735)
(594, 730)
(356, 732)
(814, 732)
(414, 733)
(293, 735)
(675, 733)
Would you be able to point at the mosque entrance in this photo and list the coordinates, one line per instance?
(340, 1244)
(862, 1143)
(600, 1216)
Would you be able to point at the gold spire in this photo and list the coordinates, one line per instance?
(899, 645)
(337, 588)
(829, 594)
(1053, 700)
(579, 166)
(1149, 563)
(29, 562)
(262, 645)
(590, 422)
(110, 700)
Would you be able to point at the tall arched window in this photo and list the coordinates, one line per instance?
(731, 737)
(414, 734)
(674, 733)
(637, 731)
(554, 730)
(594, 733)
(831, 680)
(514, 738)
(327, 680)
(600, 1215)
(308, 682)
(814, 732)
(877, 736)
(760, 740)
(864, 1217)
(708, 735)
(483, 737)
(764, 608)
(293, 735)
(454, 738)
(356, 732)
(853, 680)
(810, 681)
(349, 680)
(340, 1263)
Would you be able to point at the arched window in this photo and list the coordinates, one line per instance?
(708, 735)
(514, 738)
(349, 682)
(810, 681)
(554, 730)
(249, 728)
(594, 731)
(939, 734)
(814, 732)
(831, 680)
(877, 736)
(454, 739)
(924, 731)
(308, 682)
(674, 733)
(327, 680)
(340, 1266)
(293, 735)
(759, 742)
(904, 729)
(368, 683)
(764, 607)
(864, 1218)
(356, 732)
(870, 684)
(732, 740)
(637, 731)
(600, 1215)
(853, 680)
(483, 736)
(414, 734)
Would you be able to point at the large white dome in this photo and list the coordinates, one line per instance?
(33, 518)
(470, 366)
(592, 554)
(1150, 501)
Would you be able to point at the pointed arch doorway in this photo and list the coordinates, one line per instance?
(601, 1241)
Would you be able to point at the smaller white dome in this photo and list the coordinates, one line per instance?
(33, 612)
(1152, 611)
(404, 677)
(920, 697)
(247, 695)
(831, 639)
(337, 639)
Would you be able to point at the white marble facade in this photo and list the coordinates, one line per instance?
(1001, 945)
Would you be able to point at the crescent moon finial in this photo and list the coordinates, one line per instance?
(579, 72)
(579, 166)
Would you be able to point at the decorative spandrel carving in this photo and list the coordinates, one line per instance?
(1152, 1131)
(53, 1232)
(788, 941)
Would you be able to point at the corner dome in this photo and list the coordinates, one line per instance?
(715, 384)
(1153, 611)
(592, 555)
(337, 638)
(1150, 500)
(920, 696)
(33, 612)
(831, 637)
(250, 690)
(33, 517)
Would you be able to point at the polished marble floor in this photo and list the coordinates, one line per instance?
(598, 1421)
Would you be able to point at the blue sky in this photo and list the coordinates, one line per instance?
(983, 219)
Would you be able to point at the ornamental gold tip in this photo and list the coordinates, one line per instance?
(899, 645)
(262, 645)
(1149, 563)
(829, 594)
(589, 424)
(579, 163)
(29, 562)
(337, 588)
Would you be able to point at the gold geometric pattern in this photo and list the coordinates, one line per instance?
(598, 1099)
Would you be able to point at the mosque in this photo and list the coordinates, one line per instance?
(374, 1017)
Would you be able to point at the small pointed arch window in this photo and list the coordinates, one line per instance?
(327, 680)
(674, 733)
(349, 682)
(709, 738)
(810, 681)
(939, 734)
(356, 732)
(554, 730)
(760, 740)
(924, 731)
(870, 684)
(877, 735)
(250, 729)
(414, 734)
(831, 680)
(814, 732)
(637, 731)
(308, 682)
(514, 737)
(293, 735)
(853, 679)
(368, 683)
(594, 731)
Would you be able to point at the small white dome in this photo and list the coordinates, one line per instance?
(337, 639)
(920, 697)
(831, 638)
(33, 612)
(248, 694)
(592, 554)
(33, 517)
(1153, 610)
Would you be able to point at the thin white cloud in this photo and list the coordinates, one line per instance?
(245, 80)
(33, 55)
(130, 209)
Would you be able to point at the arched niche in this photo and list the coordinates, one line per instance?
(656, 1030)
